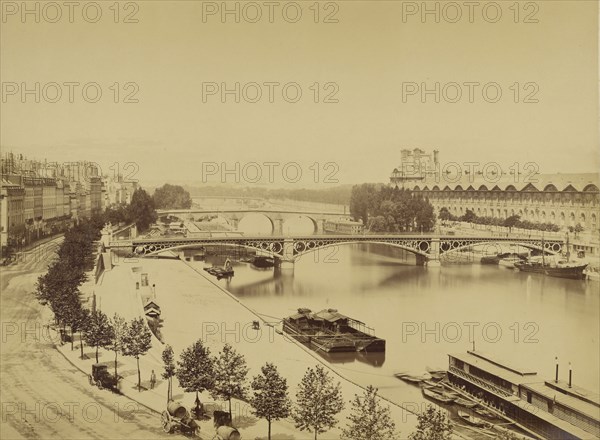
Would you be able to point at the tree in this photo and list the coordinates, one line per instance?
(230, 372)
(368, 419)
(270, 400)
(432, 425)
(195, 372)
(361, 199)
(172, 197)
(445, 215)
(511, 222)
(119, 327)
(469, 216)
(77, 319)
(98, 332)
(141, 209)
(137, 340)
(169, 363)
(318, 401)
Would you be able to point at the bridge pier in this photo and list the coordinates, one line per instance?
(278, 226)
(433, 260)
(285, 264)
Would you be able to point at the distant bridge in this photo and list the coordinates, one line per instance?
(276, 216)
(287, 249)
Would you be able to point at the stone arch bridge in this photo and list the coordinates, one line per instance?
(287, 249)
(277, 217)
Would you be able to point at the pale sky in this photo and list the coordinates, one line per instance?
(371, 54)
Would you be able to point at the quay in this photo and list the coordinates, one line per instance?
(547, 409)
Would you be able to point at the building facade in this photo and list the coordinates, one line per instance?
(40, 198)
(562, 199)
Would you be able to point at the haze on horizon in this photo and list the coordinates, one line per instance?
(368, 54)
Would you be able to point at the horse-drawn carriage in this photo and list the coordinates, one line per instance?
(177, 417)
(102, 378)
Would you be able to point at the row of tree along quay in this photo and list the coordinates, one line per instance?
(514, 221)
(318, 399)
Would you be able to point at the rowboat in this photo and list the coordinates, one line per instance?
(470, 419)
(464, 402)
(437, 396)
(436, 374)
(414, 378)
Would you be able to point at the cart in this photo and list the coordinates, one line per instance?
(101, 378)
(176, 417)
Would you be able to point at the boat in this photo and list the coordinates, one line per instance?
(495, 259)
(569, 270)
(431, 384)
(330, 331)
(263, 262)
(470, 419)
(221, 272)
(436, 374)
(531, 266)
(465, 402)
(437, 396)
(484, 412)
(509, 262)
(414, 378)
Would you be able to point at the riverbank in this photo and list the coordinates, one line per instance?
(195, 308)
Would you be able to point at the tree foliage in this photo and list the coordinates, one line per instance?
(137, 340)
(98, 331)
(230, 373)
(270, 396)
(195, 370)
(119, 327)
(171, 197)
(168, 358)
(318, 401)
(386, 209)
(369, 420)
(141, 209)
(432, 425)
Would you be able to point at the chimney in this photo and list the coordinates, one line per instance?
(556, 377)
(570, 374)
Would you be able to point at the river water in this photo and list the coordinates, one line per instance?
(425, 313)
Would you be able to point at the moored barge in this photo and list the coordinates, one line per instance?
(331, 332)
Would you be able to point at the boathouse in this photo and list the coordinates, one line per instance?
(548, 409)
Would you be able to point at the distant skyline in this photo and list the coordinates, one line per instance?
(370, 57)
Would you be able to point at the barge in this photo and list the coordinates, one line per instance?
(331, 332)
(546, 409)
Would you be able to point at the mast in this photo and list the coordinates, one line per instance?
(543, 251)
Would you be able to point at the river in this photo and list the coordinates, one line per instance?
(426, 313)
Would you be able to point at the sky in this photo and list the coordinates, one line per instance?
(361, 67)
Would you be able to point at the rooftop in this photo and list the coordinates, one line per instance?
(510, 374)
(589, 182)
(571, 401)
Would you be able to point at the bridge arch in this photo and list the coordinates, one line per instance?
(311, 246)
(449, 247)
(152, 250)
(314, 221)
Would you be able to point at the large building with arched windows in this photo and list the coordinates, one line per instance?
(562, 199)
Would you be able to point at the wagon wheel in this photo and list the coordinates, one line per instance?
(165, 421)
(91, 379)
